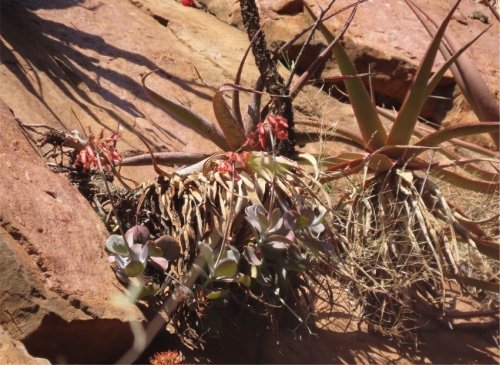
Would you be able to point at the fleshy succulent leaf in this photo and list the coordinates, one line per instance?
(217, 294)
(160, 262)
(226, 268)
(153, 250)
(134, 268)
(208, 255)
(137, 234)
(250, 255)
(116, 244)
(170, 247)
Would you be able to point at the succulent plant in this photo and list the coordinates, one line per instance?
(132, 252)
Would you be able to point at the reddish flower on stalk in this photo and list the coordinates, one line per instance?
(106, 148)
(277, 124)
(228, 166)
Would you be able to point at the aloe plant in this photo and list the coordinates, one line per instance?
(392, 234)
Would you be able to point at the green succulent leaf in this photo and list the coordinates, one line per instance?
(134, 268)
(244, 279)
(279, 243)
(226, 268)
(207, 253)
(116, 244)
(217, 294)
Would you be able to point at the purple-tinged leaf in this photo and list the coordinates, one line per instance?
(170, 247)
(137, 234)
(250, 255)
(160, 262)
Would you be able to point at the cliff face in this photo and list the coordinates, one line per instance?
(78, 64)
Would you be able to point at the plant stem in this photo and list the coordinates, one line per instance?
(274, 83)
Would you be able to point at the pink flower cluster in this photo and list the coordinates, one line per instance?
(106, 149)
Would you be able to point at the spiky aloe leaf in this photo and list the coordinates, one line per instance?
(464, 182)
(421, 131)
(455, 131)
(371, 127)
(433, 82)
(468, 78)
(402, 129)
(188, 117)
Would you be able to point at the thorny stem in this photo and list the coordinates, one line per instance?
(274, 83)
